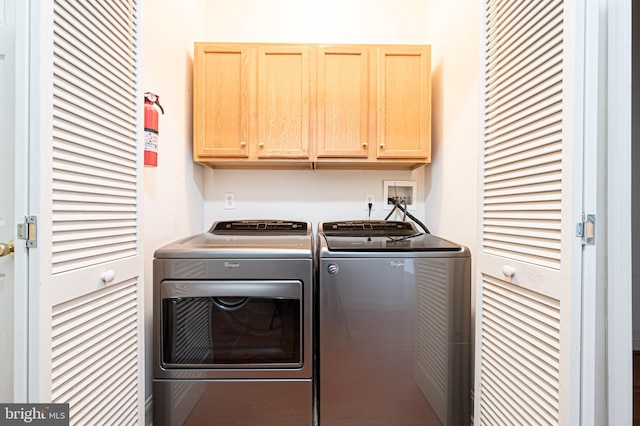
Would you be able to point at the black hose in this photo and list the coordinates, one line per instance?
(396, 205)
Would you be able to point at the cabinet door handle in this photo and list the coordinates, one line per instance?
(261, 145)
(381, 145)
(243, 143)
(365, 144)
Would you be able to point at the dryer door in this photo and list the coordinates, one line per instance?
(240, 325)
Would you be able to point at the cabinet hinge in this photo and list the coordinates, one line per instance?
(587, 229)
(29, 231)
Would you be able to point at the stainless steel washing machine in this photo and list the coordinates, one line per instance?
(394, 326)
(233, 312)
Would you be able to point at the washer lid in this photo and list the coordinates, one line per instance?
(419, 242)
(355, 228)
(380, 236)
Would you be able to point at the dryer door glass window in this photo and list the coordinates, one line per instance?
(228, 331)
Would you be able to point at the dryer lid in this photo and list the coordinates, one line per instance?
(264, 239)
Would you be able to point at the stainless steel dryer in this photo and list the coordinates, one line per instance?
(394, 326)
(233, 328)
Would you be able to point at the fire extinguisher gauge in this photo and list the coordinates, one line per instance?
(154, 99)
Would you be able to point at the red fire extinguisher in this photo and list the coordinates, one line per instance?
(151, 129)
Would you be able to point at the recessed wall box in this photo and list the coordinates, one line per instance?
(404, 191)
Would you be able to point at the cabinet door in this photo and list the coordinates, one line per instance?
(404, 102)
(344, 102)
(221, 100)
(283, 92)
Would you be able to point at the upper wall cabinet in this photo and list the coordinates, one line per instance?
(221, 101)
(304, 106)
(251, 105)
(404, 102)
(283, 96)
(345, 112)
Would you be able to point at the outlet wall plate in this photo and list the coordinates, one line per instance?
(405, 191)
(229, 201)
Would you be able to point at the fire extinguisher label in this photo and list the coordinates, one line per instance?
(150, 141)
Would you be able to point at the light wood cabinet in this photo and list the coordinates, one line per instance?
(404, 102)
(251, 105)
(345, 113)
(283, 102)
(304, 106)
(221, 112)
(373, 106)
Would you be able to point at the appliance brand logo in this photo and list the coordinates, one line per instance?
(333, 268)
(396, 264)
(231, 265)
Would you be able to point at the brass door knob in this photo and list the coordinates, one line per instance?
(6, 248)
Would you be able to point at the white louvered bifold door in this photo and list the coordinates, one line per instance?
(528, 356)
(87, 311)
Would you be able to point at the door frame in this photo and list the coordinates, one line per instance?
(619, 217)
(21, 201)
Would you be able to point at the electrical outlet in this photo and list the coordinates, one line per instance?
(368, 198)
(229, 201)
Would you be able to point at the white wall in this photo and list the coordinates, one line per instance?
(174, 191)
(328, 21)
(318, 195)
(452, 178)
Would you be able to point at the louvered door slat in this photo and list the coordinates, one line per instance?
(87, 44)
(85, 174)
(519, 198)
(521, 351)
(522, 377)
(546, 126)
(67, 134)
(530, 161)
(72, 180)
(67, 90)
(523, 104)
(113, 36)
(79, 226)
(70, 71)
(539, 78)
(539, 143)
(74, 156)
(93, 122)
(82, 125)
(517, 49)
(94, 349)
